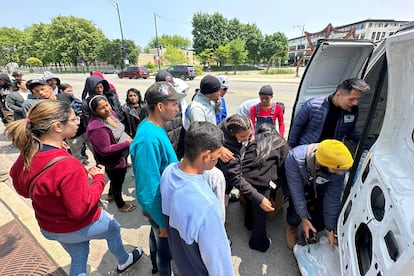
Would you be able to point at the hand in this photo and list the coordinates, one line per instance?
(226, 155)
(129, 139)
(266, 205)
(93, 171)
(333, 242)
(163, 233)
(307, 226)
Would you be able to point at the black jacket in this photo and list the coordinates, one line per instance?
(264, 159)
(232, 170)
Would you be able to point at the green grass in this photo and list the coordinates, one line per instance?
(279, 71)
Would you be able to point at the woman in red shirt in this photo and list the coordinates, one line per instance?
(65, 204)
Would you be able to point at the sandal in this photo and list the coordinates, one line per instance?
(128, 207)
(136, 255)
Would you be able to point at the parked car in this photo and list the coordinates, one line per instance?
(110, 71)
(134, 72)
(375, 226)
(182, 71)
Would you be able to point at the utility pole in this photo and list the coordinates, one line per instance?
(302, 58)
(124, 53)
(157, 45)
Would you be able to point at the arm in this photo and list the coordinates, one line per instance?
(299, 125)
(296, 185)
(280, 120)
(100, 139)
(212, 242)
(78, 196)
(146, 163)
(332, 201)
(233, 175)
(196, 114)
(253, 116)
(11, 103)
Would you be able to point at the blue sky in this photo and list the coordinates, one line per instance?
(174, 16)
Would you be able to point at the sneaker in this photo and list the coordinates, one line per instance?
(291, 236)
(136, 255)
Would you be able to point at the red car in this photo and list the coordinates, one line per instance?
(134, 72)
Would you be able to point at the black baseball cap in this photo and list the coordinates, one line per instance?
(161, 91)
(35, 82)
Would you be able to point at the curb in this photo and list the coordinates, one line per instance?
(12, 206)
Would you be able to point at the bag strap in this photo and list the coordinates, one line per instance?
(47, 166)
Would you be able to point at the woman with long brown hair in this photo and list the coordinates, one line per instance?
(65, 203)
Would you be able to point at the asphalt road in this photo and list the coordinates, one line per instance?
(278, 260)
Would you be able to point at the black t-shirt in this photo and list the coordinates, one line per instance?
(331, 121)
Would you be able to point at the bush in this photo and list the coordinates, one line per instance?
(199, 69)
(278, 71)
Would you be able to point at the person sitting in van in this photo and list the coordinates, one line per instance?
(267, 111)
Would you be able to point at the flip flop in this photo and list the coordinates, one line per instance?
(128, 207)
(136, 255)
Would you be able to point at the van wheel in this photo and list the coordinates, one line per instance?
(191, 78)
(182, 77)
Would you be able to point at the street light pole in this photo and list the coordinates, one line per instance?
(124, 53)
(156, 42)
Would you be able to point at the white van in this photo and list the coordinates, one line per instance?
(376, 223)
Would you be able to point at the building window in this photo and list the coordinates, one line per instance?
(378, 36)
(370, 25)
(383, 35)
(391, 33)
(373, 36)
(362, 36)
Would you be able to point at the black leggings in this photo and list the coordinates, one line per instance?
(117, 177)
(255, 219)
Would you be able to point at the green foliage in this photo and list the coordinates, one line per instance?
(150, 65)
(174, 56)
(279, 71)
(206, 56)
(33, 62)
(274, 43)
(199, 69)
(11, 40)
(175, 41)
(223, 54)
(213, 31)
(238, 53)
(66, 40)
(209, 31)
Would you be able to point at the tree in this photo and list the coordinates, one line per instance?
(74, 39)
(238, 52)
(254, 42)
(175, 41)
(222, 54)
(207, 56)
(111, 52)
(174, 56)
(274, 43)
(10, 41)
(209, 31)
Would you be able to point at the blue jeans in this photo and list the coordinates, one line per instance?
(162, 249)
(77, 243)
